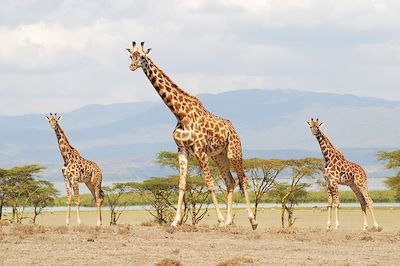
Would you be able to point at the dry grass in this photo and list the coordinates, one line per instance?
(237, 261)
(146, 243)
(200, 245)
(169, 262)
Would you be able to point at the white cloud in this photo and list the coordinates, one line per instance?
(70, 53)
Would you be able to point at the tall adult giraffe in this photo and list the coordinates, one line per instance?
(77, 170)
(337, 171)
(198, 132)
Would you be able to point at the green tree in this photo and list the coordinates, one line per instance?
(393, 162)
(290, 194)
(44, 194)
(195, 200)
(159, 192)
(115, 200)
(17, 187)
(2, 191)
(262, 175)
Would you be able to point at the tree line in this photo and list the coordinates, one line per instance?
(20, 187)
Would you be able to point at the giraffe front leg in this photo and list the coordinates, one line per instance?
(203, 161)
(330, 202)
(183, 163)
(335, 195)
(77, 202)
(68, 196)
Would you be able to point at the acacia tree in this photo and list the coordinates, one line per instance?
(44, 194)
(289, 194)
(18, 185)
(262, 175)
(114, 197)
(2, 191)
(195, 200)
(159, 193)
(393, 162)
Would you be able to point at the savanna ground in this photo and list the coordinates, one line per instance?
(136, 241)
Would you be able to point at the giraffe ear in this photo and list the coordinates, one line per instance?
(321, 124)
(59, 118)
(148, 51)
(308, 123)
(48, 119)
(129, 50)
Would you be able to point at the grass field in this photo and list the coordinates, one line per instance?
(136, 241)
(350, 218)
(134, 199)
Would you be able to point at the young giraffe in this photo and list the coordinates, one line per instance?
(198, 132)
(337, 171)
(77, 170)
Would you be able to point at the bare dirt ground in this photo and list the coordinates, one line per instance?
(144, 243)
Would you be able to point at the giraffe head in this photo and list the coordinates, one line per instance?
(137, 55)
(314, 125)
(53, 119)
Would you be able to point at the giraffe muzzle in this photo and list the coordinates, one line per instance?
(133, 67)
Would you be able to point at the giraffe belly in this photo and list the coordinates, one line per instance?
(212, 151)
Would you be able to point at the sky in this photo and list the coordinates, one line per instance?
(59, 55)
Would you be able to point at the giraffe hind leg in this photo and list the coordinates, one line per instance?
(77, 202)
(369, 203)
(202, 157)
(98, 195)
(222, 162)
(235, 157)
(363, 204)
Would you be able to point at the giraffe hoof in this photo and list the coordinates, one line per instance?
(377, 228)
(222, 224)
(174, 224)
(253, 223)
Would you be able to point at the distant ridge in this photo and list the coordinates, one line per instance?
(125, 137)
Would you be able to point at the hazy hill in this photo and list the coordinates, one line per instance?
(124, 138)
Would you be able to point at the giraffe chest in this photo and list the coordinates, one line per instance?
(77, 172)
(204, 135)
(343, 173)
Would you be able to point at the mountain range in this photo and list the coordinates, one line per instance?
(124, 138)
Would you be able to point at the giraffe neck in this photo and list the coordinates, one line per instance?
(174, 97)
(67, 151)
(327, 148)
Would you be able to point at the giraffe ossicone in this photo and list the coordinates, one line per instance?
(77, 170)
(337, 171)
(198, 132)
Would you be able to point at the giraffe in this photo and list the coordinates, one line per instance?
(77, 170)
(197, 132)
(337, 171)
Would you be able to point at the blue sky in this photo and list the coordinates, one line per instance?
(58, 55)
